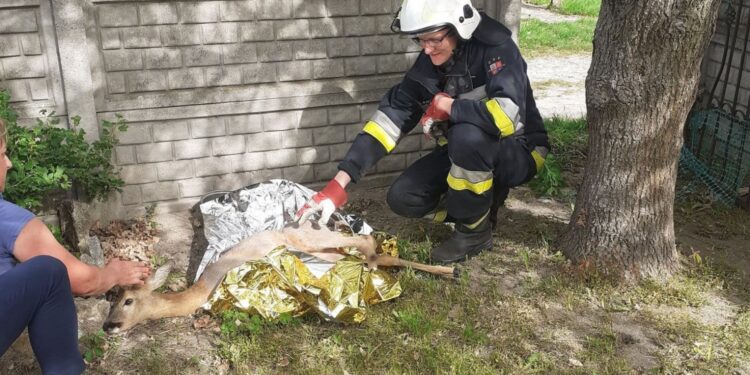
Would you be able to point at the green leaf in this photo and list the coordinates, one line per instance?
(47, 158)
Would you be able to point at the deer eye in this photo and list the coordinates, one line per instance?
(128, 301)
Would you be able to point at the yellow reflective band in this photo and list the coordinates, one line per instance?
(442, 141)
(376, 131)
(502, 121)
(475, 224)
(440, 216)
(463, 184)
(538, 160)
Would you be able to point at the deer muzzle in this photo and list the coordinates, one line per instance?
(111, 327)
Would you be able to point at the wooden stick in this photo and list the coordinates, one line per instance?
(389, 261)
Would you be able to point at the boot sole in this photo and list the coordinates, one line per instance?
(465, 257)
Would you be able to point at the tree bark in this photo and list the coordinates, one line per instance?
(640, 87)
(508, 12)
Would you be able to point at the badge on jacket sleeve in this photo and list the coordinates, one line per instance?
(495, 66)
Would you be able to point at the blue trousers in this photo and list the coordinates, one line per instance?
(37, 294)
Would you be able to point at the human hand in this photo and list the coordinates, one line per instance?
(126, 273)
(436, 112)
(324, 202)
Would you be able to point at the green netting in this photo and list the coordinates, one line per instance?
(717, 154)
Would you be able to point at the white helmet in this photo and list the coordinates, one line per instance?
(422, 16)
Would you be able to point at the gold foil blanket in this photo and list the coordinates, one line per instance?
(286, 281)
(281, 283)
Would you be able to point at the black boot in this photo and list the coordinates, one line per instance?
(499, 194)
(464, 243)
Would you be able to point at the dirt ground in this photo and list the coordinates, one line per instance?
(525, 219)
(188, 344)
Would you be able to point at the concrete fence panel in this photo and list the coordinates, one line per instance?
(218, 94)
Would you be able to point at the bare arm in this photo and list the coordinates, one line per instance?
(36, 239)
(342, 178)
(445, 104)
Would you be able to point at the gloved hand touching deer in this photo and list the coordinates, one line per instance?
(324, 203)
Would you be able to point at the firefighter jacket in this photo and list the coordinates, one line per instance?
(487, 77)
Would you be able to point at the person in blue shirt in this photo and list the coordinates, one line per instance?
(38, 278)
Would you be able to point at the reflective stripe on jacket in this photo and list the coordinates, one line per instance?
(487, 76)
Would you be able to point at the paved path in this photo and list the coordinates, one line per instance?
(558, 82)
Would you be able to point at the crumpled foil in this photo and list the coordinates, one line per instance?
(287, 281)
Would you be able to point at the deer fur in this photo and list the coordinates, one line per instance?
(138, 304)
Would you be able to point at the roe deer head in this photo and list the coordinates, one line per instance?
(135, 304)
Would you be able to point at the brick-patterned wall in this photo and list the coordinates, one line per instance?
(27, 60)
(223, 94)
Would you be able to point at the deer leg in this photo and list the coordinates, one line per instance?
(323, 240)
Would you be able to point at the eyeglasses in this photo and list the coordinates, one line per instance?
(432, 42)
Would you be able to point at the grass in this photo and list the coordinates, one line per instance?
(151, 358)
(588, 8)
(477, 326)
(432, 331)
(553, 83)
(415, 321)
(574, 7)
(538, 38)
(454, 328)
(703, 348)
(568, 139)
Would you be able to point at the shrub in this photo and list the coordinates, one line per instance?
(568, 138)
(549, 181)
(47, 158)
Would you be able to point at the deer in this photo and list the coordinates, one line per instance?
(141, 303)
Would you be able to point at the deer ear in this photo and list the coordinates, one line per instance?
(159, 277)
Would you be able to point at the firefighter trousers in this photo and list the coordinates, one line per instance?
(462, 176)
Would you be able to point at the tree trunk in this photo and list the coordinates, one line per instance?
(506, 11)
(640, 87)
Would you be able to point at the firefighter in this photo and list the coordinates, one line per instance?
(468, 89)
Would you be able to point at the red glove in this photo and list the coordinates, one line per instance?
(433, 115)
(324, 202)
